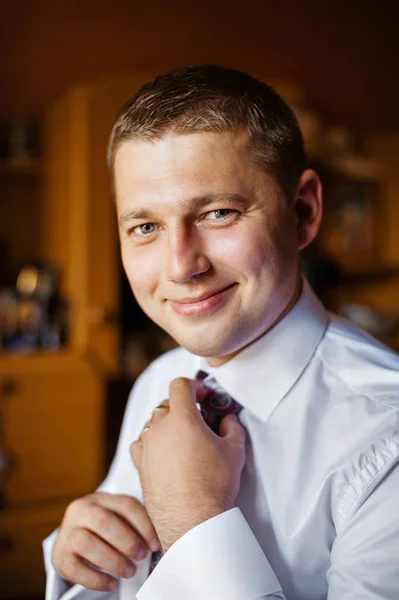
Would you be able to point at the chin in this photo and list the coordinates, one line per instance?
(199, 346)
(207, 346)
(210, 339)
(198, 349)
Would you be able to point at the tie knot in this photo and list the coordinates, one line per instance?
(217, 403)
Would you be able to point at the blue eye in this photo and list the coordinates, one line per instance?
(145, 228)
(220, 213)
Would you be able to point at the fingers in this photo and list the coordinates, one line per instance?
(103, 531)
(117, 532)
(121, 521)
(73, 569)
(142, 432)
(100, 555)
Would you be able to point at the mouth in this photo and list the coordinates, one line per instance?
(202, 304)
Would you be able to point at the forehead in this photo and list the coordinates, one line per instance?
(180, 166)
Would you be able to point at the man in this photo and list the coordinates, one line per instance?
(297, 497)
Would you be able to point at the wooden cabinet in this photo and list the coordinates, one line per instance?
(21, 560)
(53, 419)
(54, 427)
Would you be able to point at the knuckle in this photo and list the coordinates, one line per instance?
(129, 503)
(79, 540)
(97, 497)
(75, 507)
(71, 508)
(101, 518)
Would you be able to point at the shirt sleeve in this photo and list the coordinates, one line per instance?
(365, 553)
(219, 559)
(122, 478)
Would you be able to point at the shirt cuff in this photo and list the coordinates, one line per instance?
(219, 559)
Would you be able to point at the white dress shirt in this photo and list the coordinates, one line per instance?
(317, 516)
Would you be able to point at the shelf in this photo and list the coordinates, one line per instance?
(28, 168)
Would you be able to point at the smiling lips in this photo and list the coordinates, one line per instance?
(202, 304)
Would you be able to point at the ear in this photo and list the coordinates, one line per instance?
(308, 206)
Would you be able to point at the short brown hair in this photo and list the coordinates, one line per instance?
(211, 98)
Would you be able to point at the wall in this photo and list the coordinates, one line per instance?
(343, 53)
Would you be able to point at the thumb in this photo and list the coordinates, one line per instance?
(230, 428)
(184, 393)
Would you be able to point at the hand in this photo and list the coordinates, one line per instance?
(188, 473)
(105, 531)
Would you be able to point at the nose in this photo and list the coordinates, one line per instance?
(185, 256)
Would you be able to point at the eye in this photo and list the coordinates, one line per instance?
(144, 229)
(219, 214)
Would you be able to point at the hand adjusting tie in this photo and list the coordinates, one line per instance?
(216, 405)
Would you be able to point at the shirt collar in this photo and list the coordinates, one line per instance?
(261, 375)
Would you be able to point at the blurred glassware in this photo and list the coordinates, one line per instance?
(33, 316)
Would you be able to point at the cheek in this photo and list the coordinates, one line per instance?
(249, 252)
(141, 270)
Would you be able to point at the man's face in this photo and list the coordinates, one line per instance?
(209, 244)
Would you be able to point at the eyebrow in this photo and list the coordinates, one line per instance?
(186, 205)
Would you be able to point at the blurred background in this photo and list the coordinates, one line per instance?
(72, 339)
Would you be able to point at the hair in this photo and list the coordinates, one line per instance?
(211, 98)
